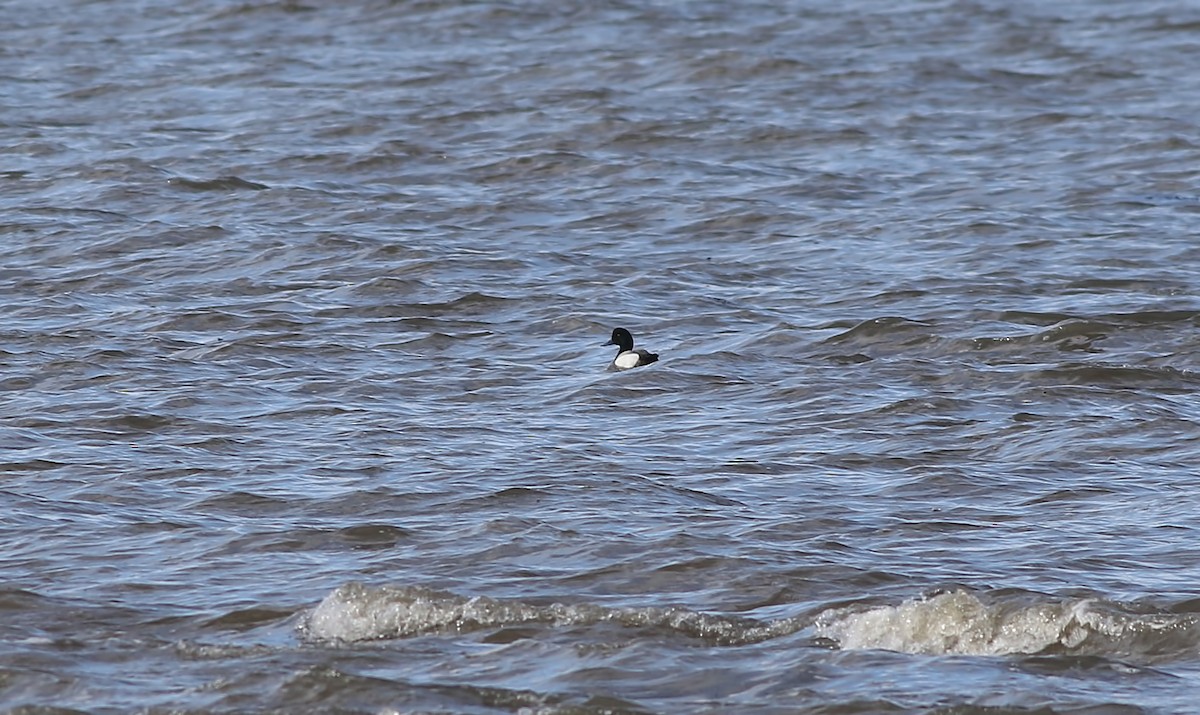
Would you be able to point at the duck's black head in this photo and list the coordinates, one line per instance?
(622, 339)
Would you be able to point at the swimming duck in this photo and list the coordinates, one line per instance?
(627, 357)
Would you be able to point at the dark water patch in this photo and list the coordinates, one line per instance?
(1069, 335)
(302, 540)
(887, 329)
(245, 504)
(1152, 317)
(1120, 377)
(247, 619)
(36, 464)
(223, 183)
(350, 692)
(1069, 494)
(374, 536)
(1068, 666)
(19, 599)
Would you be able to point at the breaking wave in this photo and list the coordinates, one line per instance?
(958, 622)
(355, 612)
(962, 623)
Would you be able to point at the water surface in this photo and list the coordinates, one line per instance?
(305, 407)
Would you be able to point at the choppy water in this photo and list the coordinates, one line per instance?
(305, 408)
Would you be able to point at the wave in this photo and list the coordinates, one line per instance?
(356, 612)
(957, 622)
(960, 622)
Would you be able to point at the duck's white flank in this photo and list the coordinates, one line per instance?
(627, 359)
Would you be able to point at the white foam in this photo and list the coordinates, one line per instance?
(355, 612)
(951, 623)
(958, 622)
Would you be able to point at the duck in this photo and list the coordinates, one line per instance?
(628, 358)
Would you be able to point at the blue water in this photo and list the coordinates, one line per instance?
(305, 405)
